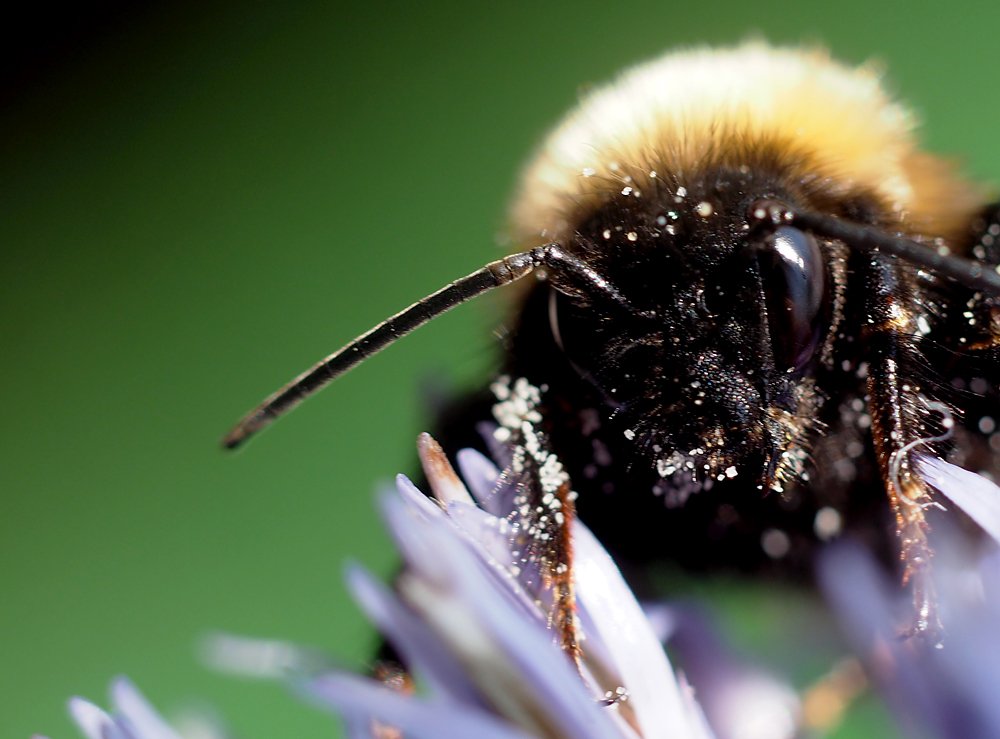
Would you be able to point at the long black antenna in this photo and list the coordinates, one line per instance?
(572, 273)
(494, 274)
(771, 214)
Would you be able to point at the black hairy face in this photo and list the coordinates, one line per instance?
(713, 375)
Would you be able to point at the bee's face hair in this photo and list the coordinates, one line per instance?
(724, 360)
(651, 182)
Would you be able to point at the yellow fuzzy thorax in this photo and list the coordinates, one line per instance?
(674, 114)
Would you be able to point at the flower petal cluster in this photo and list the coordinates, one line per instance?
(470, 619)
(131, 716)
(947, 686)
(471, 623)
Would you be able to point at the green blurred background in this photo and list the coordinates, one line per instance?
(196, 202)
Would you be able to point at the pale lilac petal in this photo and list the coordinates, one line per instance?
(417, 539)
(969, 662)
(662, 620)
(499, 451)
(481, 475)
(488, 532)
(357, 726)
(141, 716)
(527, 646)
(866, 604)
(489, 538)
(200, 724)
(271, 659)
(989, 576)
(694, 714)
(422, 651)
(93, 722)
(740, 701)
(360, 698)
(407, 522)
(752, 705)
(416, 499)
(412, 535)
(973, 493)
(654, 693)
(619, 623)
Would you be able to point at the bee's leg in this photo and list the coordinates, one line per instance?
(543, 517)
(543, 509)
(560, 577)
(899, 419)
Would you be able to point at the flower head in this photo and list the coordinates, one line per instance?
(470, 619)
(131, 717)
(471, 623)
(946, 688)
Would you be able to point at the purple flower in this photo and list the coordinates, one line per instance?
(470, 625)
(946, 688)
(470, 620)
(132, 717)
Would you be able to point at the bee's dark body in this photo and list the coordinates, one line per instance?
(738, 355)
(612, 378)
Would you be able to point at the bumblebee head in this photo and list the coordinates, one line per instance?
(653, 182)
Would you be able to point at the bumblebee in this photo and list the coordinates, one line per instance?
(752, 302)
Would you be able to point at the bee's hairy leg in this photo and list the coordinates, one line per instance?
(900, 415)
(543, 508)
(542, 521)
(560, 574)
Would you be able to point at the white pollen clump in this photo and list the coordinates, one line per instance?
(501, 388)
(629, 434)
(516, 410)
(704, 209)
(923, 327)
(632, 236)
(731, 472)
(607, 233)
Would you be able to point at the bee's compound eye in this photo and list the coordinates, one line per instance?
(795, 287)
